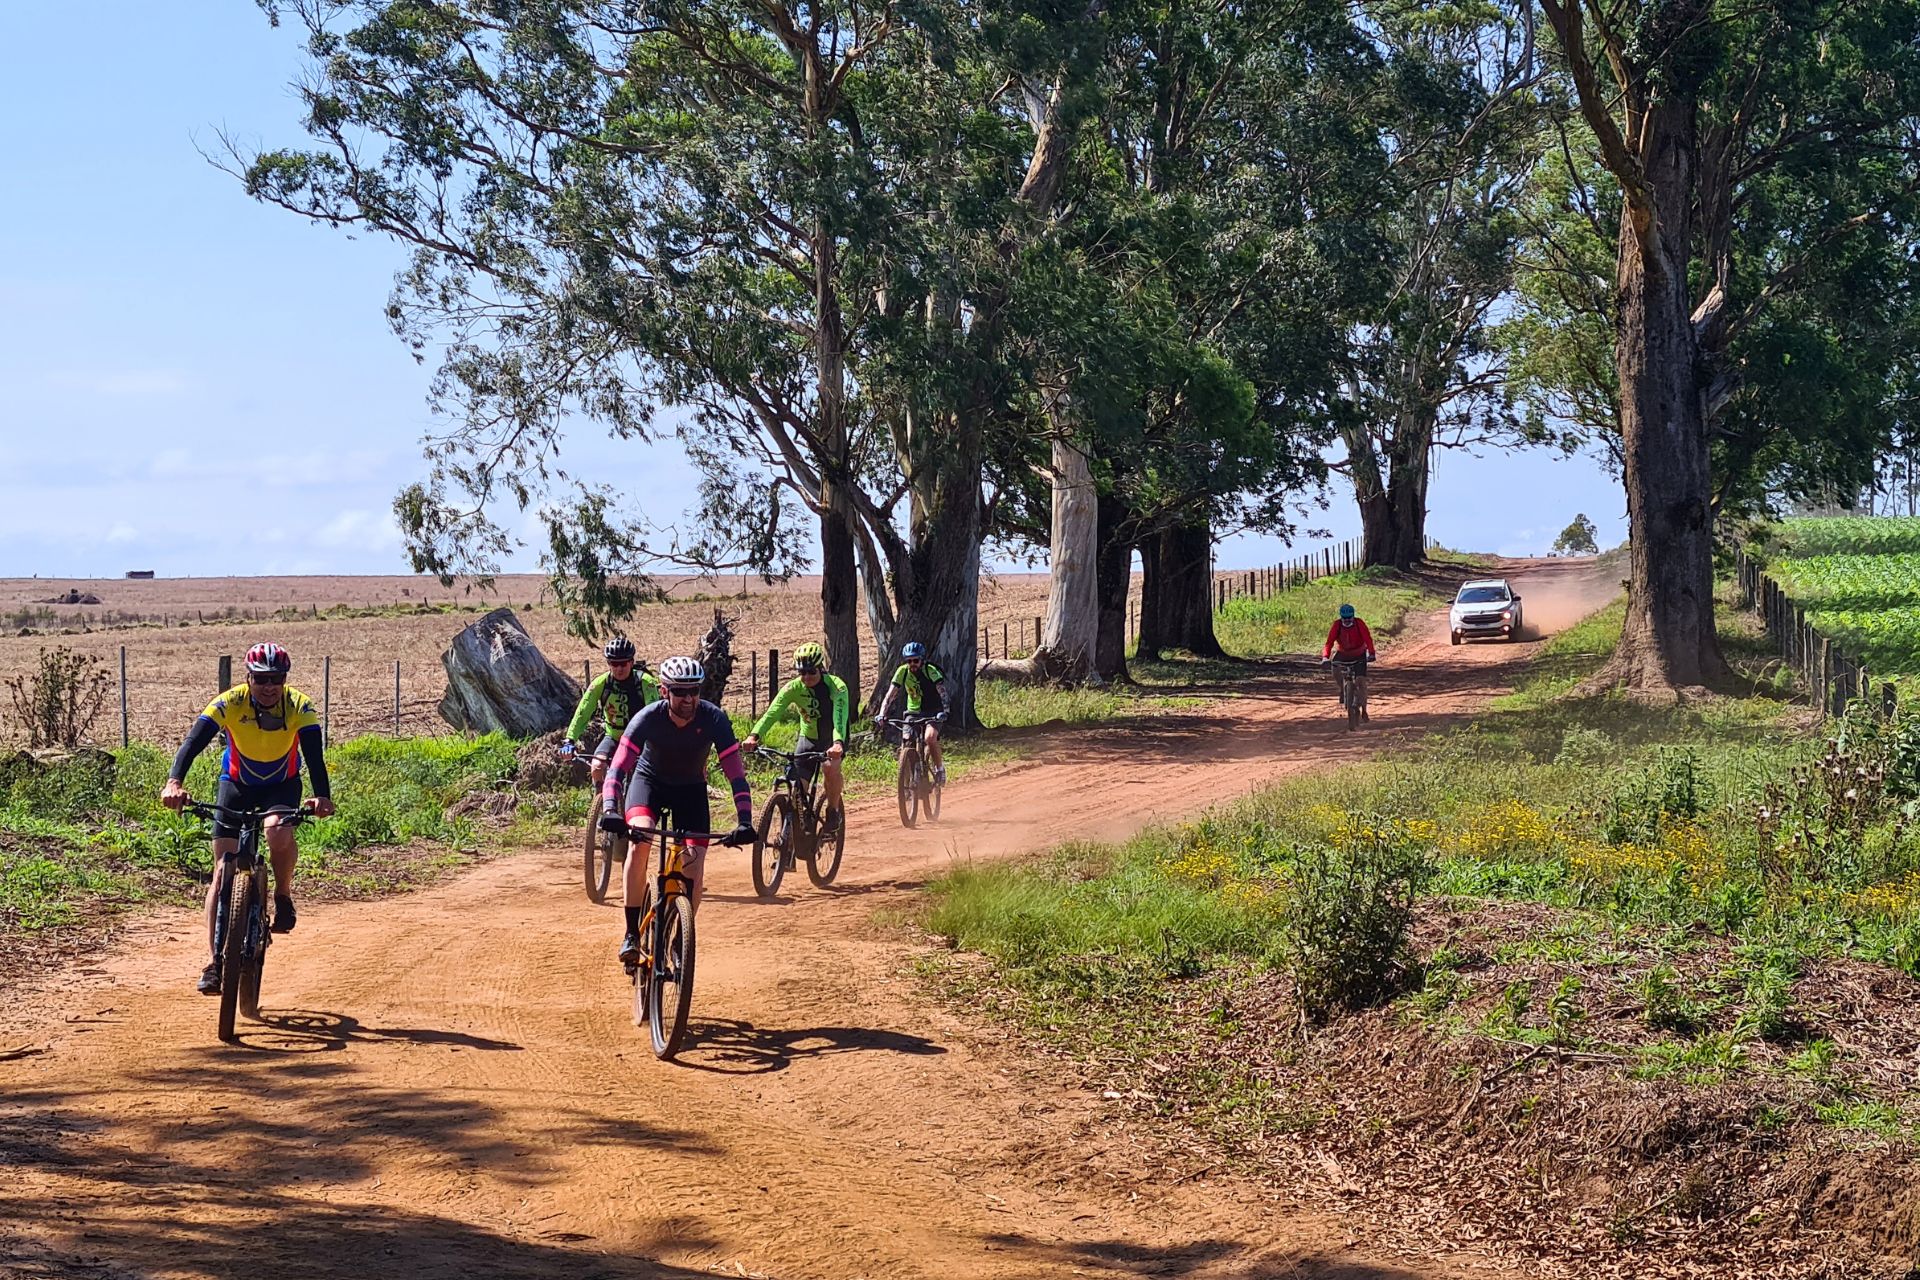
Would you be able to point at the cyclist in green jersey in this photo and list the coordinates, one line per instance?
(820, 703)
(616, 696)
(925, 687)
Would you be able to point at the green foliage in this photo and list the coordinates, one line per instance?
(1577, 539)
(1347, 909)
(1848, 536)
(1296, 620)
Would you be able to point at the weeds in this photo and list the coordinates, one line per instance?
(57, 703)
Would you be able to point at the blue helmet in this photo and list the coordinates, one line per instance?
(913, 649)
(1346, 611)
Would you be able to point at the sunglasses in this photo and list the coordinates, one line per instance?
(679, 695)
(808, 671)
(619, 662)
(266, 678)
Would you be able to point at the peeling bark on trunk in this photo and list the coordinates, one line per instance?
(840, 597)
(1668, 641)
(1065, 653)
(1176, 597)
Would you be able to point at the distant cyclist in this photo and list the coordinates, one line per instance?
(266, 726)
(1349, 637)
(664, 749)
(925, 688)
(822, 705)
(616, 696)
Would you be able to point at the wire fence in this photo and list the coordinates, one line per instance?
(1834, 678)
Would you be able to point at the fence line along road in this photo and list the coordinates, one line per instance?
(1833, 677)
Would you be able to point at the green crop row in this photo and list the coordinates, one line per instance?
(1848, 535)
(1887, 640)
(1851, 581)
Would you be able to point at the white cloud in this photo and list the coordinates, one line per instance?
(307, 470)
(122, 533)
(124, 383)
(359, 530)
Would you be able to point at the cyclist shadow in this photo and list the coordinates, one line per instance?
(728, 1046)
(317, 1031)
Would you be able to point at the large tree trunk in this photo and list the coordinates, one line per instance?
(840, 596)
(1065, 654)
(1668, 641)
(1114, 571)
(1393, 504)
(1176, 596)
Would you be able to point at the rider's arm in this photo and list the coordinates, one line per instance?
(1333, 634)
(313, 751)
(615, 784)
(1366, 639)
(734, 766)
(778, 708)
(203, 732)
(886, 703)
(842, 704)
(589, 703)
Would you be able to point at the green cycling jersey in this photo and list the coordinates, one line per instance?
(614, 702)
(811, 707)
(921, 687)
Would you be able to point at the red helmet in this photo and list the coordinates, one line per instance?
(268, 657)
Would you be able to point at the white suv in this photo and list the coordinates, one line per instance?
(1485, 607)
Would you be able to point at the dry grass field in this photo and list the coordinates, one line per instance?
(175, 631)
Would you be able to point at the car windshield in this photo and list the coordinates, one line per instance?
(1482, 595)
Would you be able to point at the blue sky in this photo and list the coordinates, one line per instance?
(194, 383)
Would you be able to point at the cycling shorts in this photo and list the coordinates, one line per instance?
(284, 794)
(808, 769)
(683, 807)
(605, 750)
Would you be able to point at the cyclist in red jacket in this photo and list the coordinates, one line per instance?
(1350, 637)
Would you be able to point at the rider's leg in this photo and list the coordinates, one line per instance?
(833, 778)
(933, 745)
(283, 851)
(1360, 686)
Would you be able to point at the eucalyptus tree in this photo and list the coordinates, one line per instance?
(792, 226)
(1461, 105)
(1756, 150)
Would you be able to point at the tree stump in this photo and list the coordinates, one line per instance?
(497, 679)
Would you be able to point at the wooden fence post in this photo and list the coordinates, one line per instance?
(124, 739)
(1036, 635)
(753, 682)
(225, 676)
(326, 698)
(773, 675)
(396, 697)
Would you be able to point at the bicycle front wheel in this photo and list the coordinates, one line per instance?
(671, 977)
(773, 845)
(253, 967)
(824, 864)
(598, 859)
(232, 919)
(908, 789)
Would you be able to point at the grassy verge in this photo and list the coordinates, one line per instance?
(1296, 621)
(1574, 920)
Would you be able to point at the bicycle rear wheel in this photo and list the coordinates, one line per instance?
(232, 921)
(671, 977)
(773, 844)
(908, 789)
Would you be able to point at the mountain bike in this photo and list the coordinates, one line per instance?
(240, 932)
(663, 976)
(916, 787)
(1351, 696)
(793, 827)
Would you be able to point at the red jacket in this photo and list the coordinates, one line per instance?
(1352, 642)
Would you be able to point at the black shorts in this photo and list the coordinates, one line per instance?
(806, 769)
(605, 750)
(680, 806)
(275, 795)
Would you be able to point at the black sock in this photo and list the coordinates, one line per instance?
(633, 919)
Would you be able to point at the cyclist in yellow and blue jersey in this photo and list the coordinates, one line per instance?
(822, 705)
(268, 730)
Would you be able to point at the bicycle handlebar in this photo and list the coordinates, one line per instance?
(212, 813)
(789, 755)
(649, 834)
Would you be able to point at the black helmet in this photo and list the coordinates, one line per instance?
(619, 649)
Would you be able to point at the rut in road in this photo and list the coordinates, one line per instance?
(450, 1083)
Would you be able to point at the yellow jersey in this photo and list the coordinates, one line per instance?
(256, 754)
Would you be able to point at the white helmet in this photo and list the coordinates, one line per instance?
(682, 673)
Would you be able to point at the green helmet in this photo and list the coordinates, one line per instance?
(809, 656)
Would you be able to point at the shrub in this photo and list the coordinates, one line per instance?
(59, 701)
(1348, 911)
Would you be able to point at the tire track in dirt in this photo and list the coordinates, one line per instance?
(450, 1084)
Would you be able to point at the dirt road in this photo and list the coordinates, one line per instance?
(451, 1086)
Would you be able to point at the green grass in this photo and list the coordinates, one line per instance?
(1012, 706)
(1296, 621)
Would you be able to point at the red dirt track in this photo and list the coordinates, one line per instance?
(450, 1084)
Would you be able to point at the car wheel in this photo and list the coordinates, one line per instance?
(1456, 637)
